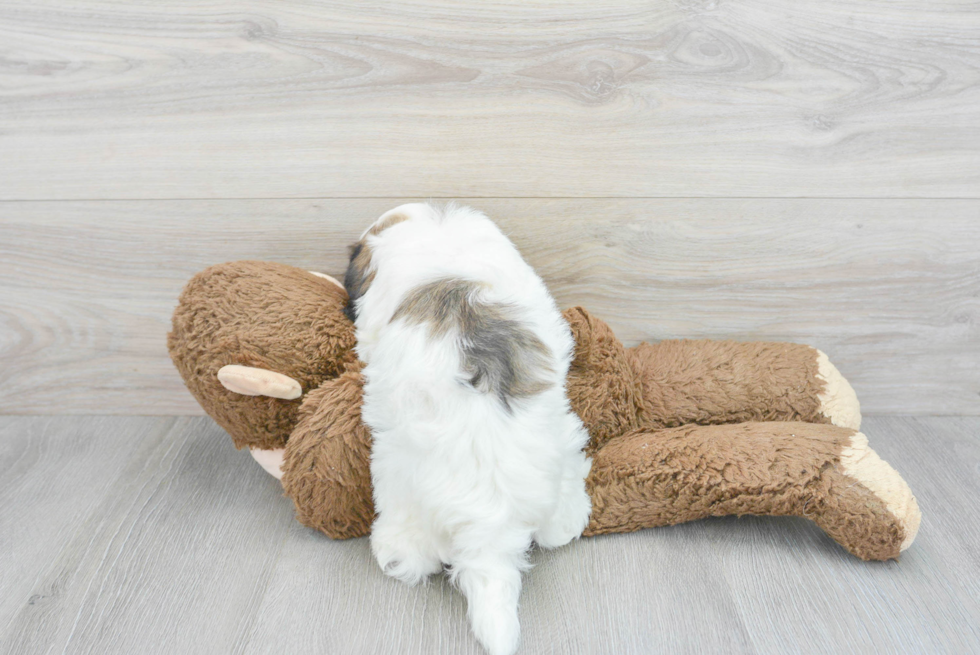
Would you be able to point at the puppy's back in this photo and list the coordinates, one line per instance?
(455, 273)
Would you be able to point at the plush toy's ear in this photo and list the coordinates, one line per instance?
(259, 315)
(251, 381)
(328, 278)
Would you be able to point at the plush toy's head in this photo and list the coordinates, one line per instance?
(262, 315)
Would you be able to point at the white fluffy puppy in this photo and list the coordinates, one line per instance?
(476, 451)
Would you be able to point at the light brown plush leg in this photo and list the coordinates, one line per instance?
(715, 382)
(825, 473)
(616, 390)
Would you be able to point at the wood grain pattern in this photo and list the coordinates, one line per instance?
(50, 483)
(154, 535)
(889, 289)
(164, 551)
(497, 99)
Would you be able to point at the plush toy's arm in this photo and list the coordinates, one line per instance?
(821, 472)
(327, 463)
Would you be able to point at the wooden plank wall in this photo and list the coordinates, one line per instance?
(754, 170)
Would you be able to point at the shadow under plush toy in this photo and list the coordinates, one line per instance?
(679, 430)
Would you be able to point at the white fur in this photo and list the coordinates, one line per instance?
(459, 480)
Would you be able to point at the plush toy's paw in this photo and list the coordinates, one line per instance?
(863, 464)
(402, 553)
(863, 503)
(270, 460)
(838, 402)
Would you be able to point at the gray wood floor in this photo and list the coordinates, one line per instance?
(153, 535)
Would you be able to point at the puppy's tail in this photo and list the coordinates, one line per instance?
(492, 589)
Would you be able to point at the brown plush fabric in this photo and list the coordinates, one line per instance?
(713, 382)
(671, 383)
(327, 469)
(601, 385)
(265, 315)
(654, 478)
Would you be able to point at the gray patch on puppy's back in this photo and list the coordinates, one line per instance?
(501, 356)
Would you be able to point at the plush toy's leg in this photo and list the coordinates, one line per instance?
(713, 382)
(821, 472)
(616, 390)
(326, 469)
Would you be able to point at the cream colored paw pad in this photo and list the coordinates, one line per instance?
(838, 402)
(863, 464)
(270, 460)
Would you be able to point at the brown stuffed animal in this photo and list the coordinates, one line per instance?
(680, 430)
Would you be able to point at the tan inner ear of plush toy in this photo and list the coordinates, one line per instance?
(327, 277)
(250, 381)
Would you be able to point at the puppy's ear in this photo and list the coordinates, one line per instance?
(359, 276)
(386, 222)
